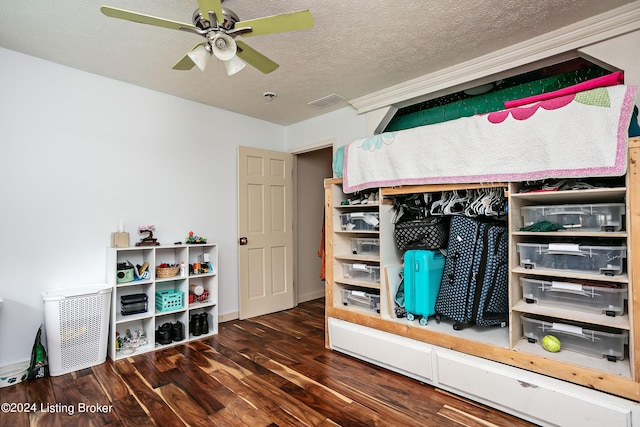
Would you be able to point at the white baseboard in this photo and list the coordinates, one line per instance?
(309, 297)
(228, 316)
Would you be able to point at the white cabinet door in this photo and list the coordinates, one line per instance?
(396, 353)
(537, 398)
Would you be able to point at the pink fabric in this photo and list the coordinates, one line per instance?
(523, 113)
(608, 80)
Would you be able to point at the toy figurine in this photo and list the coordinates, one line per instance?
(149, 240)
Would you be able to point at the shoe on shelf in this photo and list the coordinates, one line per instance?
(204, 321)
(195, 325)
(163, 334)
(177, 331)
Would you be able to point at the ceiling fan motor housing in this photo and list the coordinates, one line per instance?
(202, 22)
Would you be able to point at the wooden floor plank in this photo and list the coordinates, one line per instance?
(269, 371)
(256, 399)
(41, 394)
(149, 370)
(15, 414)
(68, 396)
(463, 418)
(190, 383)
(155, 406)
(111, 383)
(184, 406)
(293, 406)
(236, 406)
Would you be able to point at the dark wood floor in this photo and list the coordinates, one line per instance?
(267, 371)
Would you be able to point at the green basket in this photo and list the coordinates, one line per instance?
(168, 300)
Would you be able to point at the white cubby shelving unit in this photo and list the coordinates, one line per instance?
(149, 321)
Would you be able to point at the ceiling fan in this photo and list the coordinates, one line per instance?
(220, 26)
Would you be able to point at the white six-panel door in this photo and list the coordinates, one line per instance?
(265, 227)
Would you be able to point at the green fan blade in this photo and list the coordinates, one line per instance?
(255, 58)
(186, 63)
(301, 20)
(142, 18)
(207, 6)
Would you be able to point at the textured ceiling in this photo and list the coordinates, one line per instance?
(355, 48)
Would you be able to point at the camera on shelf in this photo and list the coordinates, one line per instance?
(124, 273)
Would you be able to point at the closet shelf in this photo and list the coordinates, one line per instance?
(363, 258)
(621, 368)
(605, 194)
(358, 283)
(619, 322)
(569, 233)
(570, 274)
(362, 206)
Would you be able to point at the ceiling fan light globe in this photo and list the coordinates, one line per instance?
(234, 65)
(223, 47)
(200, 56)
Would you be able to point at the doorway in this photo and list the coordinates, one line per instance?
(311, 168)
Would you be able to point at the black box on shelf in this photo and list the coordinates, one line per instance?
(133, 304)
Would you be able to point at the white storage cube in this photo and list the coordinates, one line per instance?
(360, 221)
(587, 217)
(606, 260)
(77, 327)
(585, 340)
(575, 296)
(362, 272)
(360, 246)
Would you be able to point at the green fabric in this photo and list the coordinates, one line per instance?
(490, 102)
(543, 226)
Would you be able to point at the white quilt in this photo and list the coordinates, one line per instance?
(577, 135)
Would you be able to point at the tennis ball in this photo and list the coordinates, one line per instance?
(551, 343)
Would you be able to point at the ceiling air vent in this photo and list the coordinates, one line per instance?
(326, 101)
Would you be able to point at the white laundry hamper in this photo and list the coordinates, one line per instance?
(77, 325)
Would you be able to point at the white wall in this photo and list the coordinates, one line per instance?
(343, 125)
(619, 52)
(79, 153)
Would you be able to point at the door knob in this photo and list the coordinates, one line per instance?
(243, 241)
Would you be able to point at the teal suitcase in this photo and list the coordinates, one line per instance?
(422, 277)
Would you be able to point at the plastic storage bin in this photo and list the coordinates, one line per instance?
(362, 272)
(361, 299)
(575, 296)
(606, 260)
(360, 246)
(360, 221)
(587, 217)
(600, 344)
(170, 299)
(77, 327)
